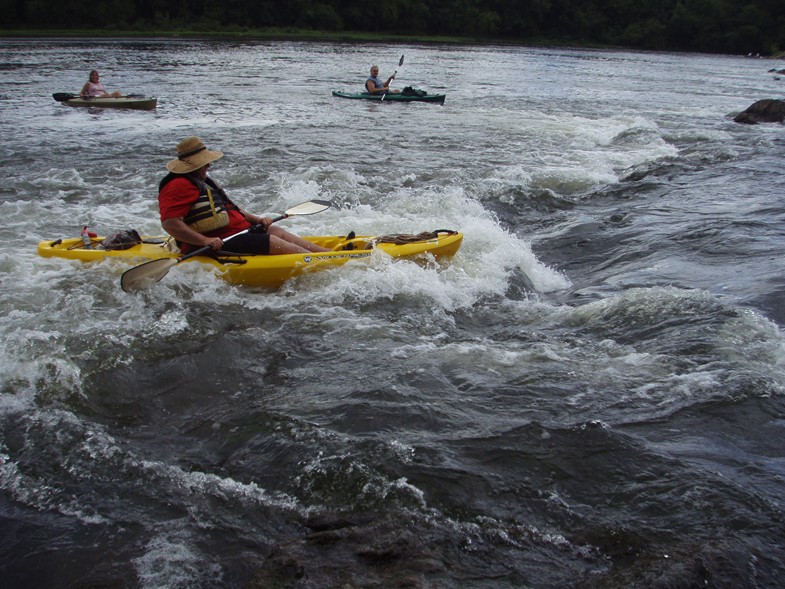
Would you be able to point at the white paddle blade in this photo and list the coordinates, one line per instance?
(309, 208)
(145, 275)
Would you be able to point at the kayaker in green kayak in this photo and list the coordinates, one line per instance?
(197, 213)
(373, 85)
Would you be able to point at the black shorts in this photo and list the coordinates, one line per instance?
(248, 243)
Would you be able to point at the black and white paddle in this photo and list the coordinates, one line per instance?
(400, 65)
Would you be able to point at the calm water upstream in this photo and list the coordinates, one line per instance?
(590, 394)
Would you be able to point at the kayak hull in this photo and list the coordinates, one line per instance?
(110, 102)
(436, 98)
(261, 271)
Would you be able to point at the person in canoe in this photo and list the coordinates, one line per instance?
(95, 89)
(196, 211)
(373, 85)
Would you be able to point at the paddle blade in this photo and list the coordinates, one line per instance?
(145, 275)
(400, 63)
(63, 96)
(309, 208)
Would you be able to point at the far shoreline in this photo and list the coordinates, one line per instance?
(286, 34)
(292, 34)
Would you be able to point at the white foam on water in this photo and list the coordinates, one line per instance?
(741, 341)
(185, 483)
(600, 151)
(172, 561)
(78, 446)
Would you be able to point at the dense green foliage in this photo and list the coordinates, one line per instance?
(724, 26)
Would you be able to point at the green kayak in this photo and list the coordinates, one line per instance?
(393, 97)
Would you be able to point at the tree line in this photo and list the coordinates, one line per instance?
(715, 26)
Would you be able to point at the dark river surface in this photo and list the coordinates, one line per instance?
(589, 394)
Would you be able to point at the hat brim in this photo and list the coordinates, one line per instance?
(193, 162)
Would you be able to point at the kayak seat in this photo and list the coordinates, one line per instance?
(343, 245)
(230, 257)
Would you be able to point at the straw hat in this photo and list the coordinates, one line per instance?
(192, 155)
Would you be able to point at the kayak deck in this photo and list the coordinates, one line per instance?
(112, 102)
(269, 271)
(391, 97)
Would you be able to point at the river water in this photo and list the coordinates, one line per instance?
(589, 394)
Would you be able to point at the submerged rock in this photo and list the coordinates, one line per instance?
(360, 550)
(763, 111)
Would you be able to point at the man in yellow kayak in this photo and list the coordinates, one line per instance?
(197, 213)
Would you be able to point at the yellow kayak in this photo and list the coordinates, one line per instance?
(266, 271)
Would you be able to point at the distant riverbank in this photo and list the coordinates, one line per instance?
(243, 33)
(292, 34)
(296, 34)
